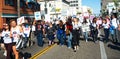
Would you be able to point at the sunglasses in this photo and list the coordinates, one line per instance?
(5, 24)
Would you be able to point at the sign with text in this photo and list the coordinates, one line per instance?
(37, 15)
(20, 20)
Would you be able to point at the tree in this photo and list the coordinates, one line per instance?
(116, 3)
(89, 11)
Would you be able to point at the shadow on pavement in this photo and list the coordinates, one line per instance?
(115, 47)
(25, 55)
(118, 44)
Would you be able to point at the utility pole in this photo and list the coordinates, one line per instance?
(18, 7)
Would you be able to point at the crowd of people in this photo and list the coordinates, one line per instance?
(15, 37)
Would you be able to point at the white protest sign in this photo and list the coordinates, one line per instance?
(37, 15)
(20, 20)
(26, 30)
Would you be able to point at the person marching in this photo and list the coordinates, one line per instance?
(94, 30)
(2, 41)
(51, 33)
(85, 28)
(7, 41)
(26, 31)
(61, 33)
(75, 32)
(106, 27)
(113, 28)
(16, 32)
(39, 32)
(69, 29)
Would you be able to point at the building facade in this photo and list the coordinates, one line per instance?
(55, 9)
(104, 3)
(109, 6)
(8, 10)
(75, 6)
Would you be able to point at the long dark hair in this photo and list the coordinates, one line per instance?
(94, 20)
(84, 21)
(8, 27)
(60, 23)
(69, 21)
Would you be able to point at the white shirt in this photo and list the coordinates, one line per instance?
(6, 37)
(94, 24)
(15, 33)
(114, 22)
(76, 26)
(106, 26)
(33, 27)
(85, 27)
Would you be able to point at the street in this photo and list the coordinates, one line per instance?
(86, 50)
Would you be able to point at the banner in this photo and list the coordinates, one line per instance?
(20, 20)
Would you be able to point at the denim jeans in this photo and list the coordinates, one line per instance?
(94, 35)
(106, 32)
(69, 37)
(114, 35)
(40, 39)
(61, 38)
(86, 35)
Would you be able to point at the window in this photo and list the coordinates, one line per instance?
(76, 1)
(22, 3)
(9, 2)
(76, 4)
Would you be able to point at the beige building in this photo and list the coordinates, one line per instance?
(104, 3)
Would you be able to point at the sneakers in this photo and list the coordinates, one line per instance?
(86, 40)
(69, 47)
(5, 53)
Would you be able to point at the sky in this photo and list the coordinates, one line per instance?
(94, 4)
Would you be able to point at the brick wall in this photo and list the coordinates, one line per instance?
(6, 9)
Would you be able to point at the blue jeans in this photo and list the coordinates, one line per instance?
(69, 37)
(114, 35)
(61, 38)
(40, 39)
(86, 35)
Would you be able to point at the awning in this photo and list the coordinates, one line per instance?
(15, 15)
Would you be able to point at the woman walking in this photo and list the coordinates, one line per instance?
(94, 30)
(50, 33)
(61, 33)
(75, 32)
(85, 29)
(16, 33)
(69, 29)
(106, 27)
(39, 33)
(113, 28)
(7, 41)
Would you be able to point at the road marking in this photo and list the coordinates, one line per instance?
(42, 52)
(103, 52)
